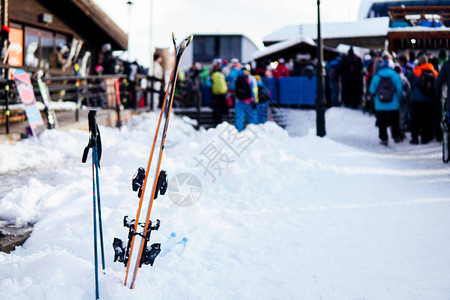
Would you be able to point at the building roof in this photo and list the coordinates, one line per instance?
(379, 8)
(89, 20)
(361, 28)
(292, 47)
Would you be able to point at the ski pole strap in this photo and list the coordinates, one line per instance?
(94, 137)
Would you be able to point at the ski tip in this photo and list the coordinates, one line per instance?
(188, 40)
(174, 39)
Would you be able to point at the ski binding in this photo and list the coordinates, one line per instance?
(121, 254)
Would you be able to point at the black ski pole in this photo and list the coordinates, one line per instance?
(95, 229)
(93, 138)
(97, 154)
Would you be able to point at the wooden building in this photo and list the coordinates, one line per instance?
(419, 28)
(39, 27)
(413, 24)
(206, 47)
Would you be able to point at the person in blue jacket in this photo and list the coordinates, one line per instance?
(387, 111)
(246, 100)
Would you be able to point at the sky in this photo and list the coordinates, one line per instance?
(253, 18)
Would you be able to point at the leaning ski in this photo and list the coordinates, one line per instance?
(26, 94)
(52, 121)
(146, 255)
(167, 108)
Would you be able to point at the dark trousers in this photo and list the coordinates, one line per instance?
(352, 92)
(219, 106)
(422, 114)
(386, 119)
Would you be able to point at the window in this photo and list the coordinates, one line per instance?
(31, 50)
(230, 47)
(208, 47)
(205, 49)
(39, 46)
(47, 47)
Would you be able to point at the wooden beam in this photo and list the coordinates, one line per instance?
(399, 12)
(103, 20)
(436, 34)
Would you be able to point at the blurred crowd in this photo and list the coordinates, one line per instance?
(403, 91)
(232, 84)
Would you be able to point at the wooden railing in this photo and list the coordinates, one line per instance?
(95, 91)
(90, 91)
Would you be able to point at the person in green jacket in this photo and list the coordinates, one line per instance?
(218, 98)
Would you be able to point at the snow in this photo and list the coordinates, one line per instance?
(283, 45)
(56, 105)
(420, 29)
(293, 216)
(362, 28)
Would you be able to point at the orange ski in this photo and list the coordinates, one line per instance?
(146, 255)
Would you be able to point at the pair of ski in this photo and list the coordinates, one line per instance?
(96, 145)
(136, 251)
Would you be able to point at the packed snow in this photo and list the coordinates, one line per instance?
(282, 213)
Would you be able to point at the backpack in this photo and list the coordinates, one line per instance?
(242, 88)
(426, 83)
(263, 96)
(219, 85)
(386, 89)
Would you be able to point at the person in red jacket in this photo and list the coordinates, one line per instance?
(281, 70)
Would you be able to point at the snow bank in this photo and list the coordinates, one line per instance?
(282, 214)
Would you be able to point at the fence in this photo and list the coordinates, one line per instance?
(89, 91)
(298, 91)
(292, 91)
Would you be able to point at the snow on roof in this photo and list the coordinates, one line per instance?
(344, 48)
(419, 28)
(283, 45)
(361, 28)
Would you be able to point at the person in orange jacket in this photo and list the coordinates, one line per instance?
(423, 101)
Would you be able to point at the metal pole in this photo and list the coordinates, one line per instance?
(150, 64)
(7, 111)
(99, 209)
(95, 228)
(129, 3)
(152, 94)
(78, 106)
(4, 17)
(320, 99)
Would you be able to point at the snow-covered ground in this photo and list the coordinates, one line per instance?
(282, 214)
